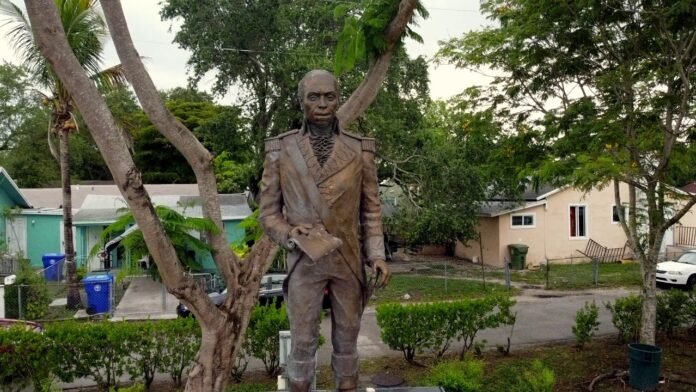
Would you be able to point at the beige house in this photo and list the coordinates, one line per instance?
(555, 223)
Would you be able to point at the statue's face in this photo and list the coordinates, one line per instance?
(320, 100)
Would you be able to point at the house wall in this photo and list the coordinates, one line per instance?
(600, 228)
(533, 237)
(43, 236)
(5, 202)
(488, 227)
(234, 233)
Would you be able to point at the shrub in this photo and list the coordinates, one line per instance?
(94, 350)
(182, 338)
(416, 328)
(586, 324)
(31, 288)
(262, 335)
(625, 315)
(145, 347)
(458, 376)
(671, 310)
(22, 359)
(690, 311)
(537, 379)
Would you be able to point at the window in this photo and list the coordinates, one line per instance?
(578, 221)
(522, 221)
(615, 213)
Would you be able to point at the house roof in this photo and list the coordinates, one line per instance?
(497, 208)
(105, 209)
(690, 188)
(10, 187)
(53, 197)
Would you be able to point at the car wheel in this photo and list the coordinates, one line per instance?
(691, 282)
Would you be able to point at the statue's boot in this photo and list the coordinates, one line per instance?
(300, 375)
(345, 368)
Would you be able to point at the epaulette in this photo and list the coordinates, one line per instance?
(368, 144)
(273, 143)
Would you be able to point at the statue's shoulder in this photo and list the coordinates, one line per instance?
(368, 143)
(273, 143)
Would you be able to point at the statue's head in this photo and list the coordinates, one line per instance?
(318, 92)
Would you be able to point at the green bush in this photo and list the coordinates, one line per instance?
(690, 311)
(182, 338)
(671, 310)
(22, 359)
(417, 328)
(94, 350)
(458, 376)
(586, 324)
(537, 379)
(626, 313)
(262, 335)
(30, 286)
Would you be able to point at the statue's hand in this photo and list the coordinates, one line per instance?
(301, 229)
(380, 268)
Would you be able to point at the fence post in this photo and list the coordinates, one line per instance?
(2, 301)
(547, 272)
(596, 271)
(20, 307)
(507, 274)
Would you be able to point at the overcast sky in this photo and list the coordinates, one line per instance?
(167, 63)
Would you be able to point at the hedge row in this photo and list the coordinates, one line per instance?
(675, 308)
(106, 351)
(417, 328)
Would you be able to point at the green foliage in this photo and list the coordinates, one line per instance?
(586, 324)
(262, 335)
(106, 351)
(178, 228)
(137, 387)
(417, 328)
(625, 315)
(690, 311)
(364, 26)
(458, 376)
(22, 359)
(537, 379)
(29, 289)
(671, 310)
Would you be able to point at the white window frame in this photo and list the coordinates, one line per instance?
(611, 213)
(587, 223)
(523, 226)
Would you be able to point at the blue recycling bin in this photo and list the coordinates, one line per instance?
(98, 288)
(53, 266)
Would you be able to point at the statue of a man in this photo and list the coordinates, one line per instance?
(319, 199)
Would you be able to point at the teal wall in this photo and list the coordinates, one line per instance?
(234, 233)
(43, 236)
(5, 202)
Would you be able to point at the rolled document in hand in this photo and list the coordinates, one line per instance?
(317, 243)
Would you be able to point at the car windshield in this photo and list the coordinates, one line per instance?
(688, 258)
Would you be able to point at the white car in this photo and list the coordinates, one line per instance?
(681, 272)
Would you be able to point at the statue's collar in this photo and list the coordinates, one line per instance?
(305, 127)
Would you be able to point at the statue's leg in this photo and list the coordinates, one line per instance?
(346, 311)
(305, 293)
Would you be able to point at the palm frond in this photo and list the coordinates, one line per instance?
(110, 78)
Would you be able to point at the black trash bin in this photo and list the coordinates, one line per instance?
(518, 256)
(644, 372)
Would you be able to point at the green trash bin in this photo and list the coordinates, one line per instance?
(518, 255)
(644, 371)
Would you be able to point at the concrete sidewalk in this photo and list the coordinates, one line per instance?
(145, 299)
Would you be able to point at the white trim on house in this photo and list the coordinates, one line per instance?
(520, 208)
(586, 220)
(611, 214)
(551, 193)
(523, 226)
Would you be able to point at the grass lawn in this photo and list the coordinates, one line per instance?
(578, 276)
(428, 288)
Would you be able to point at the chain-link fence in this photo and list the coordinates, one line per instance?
(94, 296)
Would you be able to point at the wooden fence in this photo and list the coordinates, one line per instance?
(685, 235)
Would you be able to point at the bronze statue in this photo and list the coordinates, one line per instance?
(319, 199)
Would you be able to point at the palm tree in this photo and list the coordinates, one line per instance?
(86, 32)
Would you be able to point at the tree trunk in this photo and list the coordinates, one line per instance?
(649, 291)
(74, 300)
